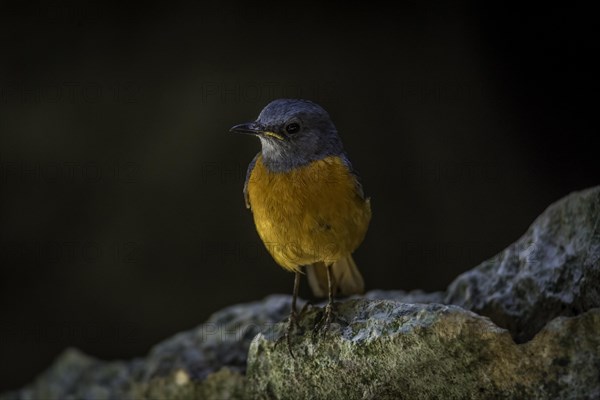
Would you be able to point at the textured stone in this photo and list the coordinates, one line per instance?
(382, 349)
(541, 341)
(552, 270)
(206, 362)
(414, 296)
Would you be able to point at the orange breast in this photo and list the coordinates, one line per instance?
(313, 213)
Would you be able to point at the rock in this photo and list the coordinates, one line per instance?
(75, 375)
(414, 296)
(552, 270)
(382, 349)
(523, 324)
(206, 362)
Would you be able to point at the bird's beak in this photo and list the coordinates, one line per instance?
(254, 128)
(250, 128)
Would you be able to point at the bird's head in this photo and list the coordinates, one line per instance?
(293, 133)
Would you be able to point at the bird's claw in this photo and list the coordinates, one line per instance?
(324, 322)
(292, 322)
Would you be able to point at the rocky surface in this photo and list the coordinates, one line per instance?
(385, 349)
(541, 339)
(206, 362)
(552, 270)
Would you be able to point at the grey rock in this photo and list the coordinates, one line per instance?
(523, 324)
(382, 349)
(206, 362)
(552, 270)
(414, 296)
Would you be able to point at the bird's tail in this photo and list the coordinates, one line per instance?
(347, 279)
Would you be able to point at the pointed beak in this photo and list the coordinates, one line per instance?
(250, 128)
(257, 129)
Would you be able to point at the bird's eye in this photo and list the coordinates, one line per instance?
(292, 128)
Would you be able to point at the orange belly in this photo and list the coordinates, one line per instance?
(313, 213)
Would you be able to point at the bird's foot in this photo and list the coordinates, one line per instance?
(324, 322)
(305, 309)
(292, 323)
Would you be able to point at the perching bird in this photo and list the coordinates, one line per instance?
(308, 204)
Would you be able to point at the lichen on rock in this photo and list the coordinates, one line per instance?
(384, 349)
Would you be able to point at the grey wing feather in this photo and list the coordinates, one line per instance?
(248, 172)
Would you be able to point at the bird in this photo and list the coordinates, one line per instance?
(307, 201)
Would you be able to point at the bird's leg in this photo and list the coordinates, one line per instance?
(329, 307)
(293, 318)
(294, 312)
(323, 324)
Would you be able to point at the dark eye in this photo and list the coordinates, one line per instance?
(292, 128)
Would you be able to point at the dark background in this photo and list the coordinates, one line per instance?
(122, 218)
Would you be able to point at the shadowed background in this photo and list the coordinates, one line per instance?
(122, 218)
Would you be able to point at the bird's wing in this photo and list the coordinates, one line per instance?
(357, 180)
(248, 172)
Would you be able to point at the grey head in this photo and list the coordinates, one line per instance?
(293, 133)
